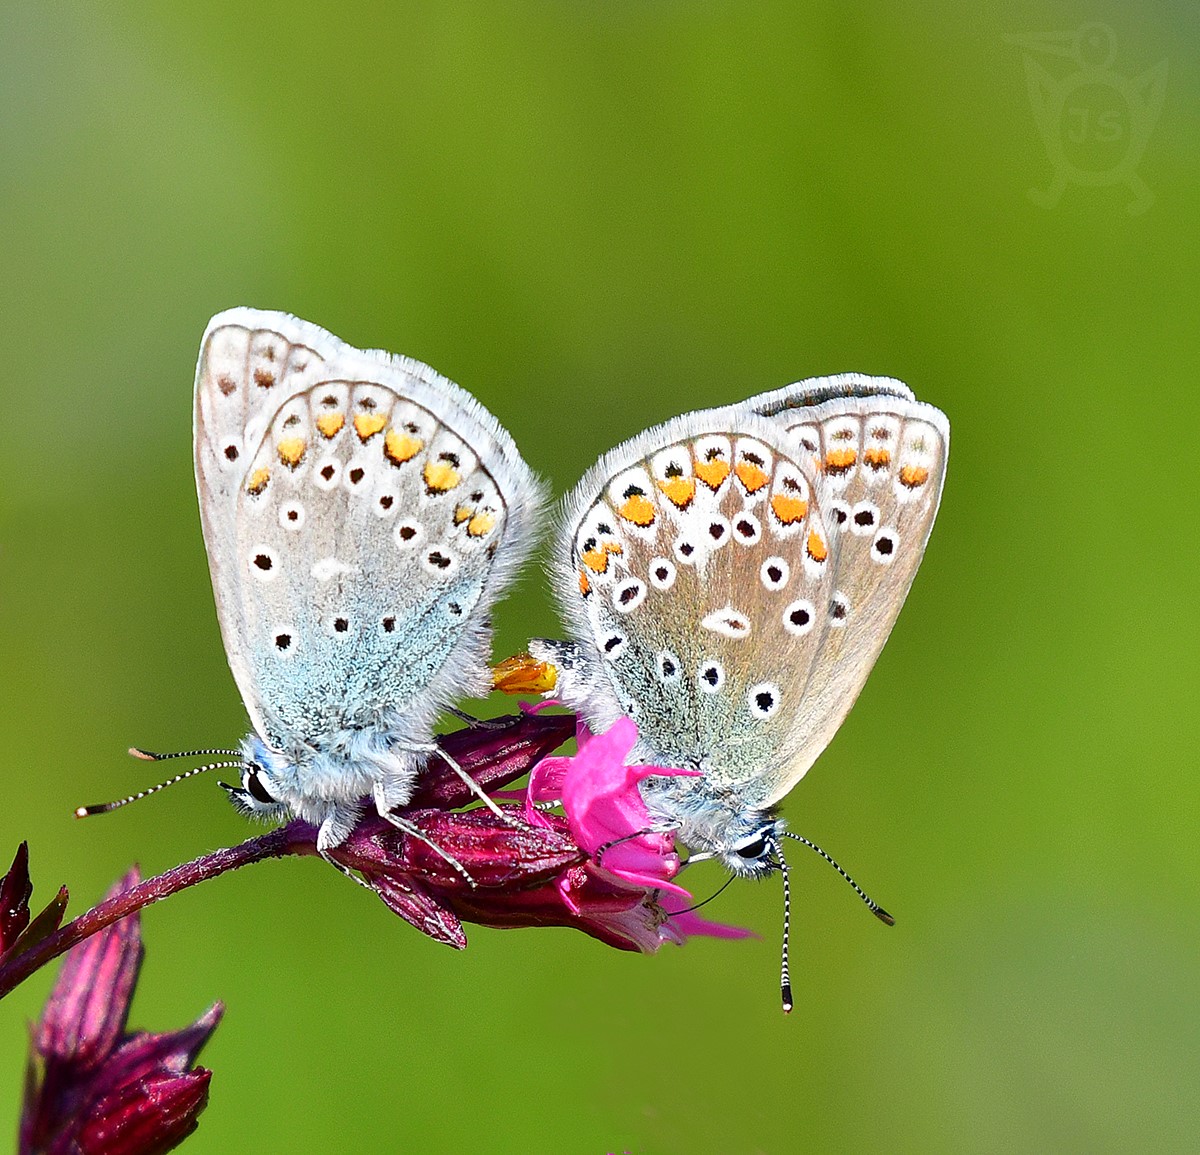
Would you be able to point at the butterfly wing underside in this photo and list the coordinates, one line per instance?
(880, 460)
(360, 513)
(698, 567)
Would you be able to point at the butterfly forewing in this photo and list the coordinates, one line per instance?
(704, 569)
(351, 527)
(881, 462)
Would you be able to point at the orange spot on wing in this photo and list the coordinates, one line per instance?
(481, 523)
(752, 476)
(463, 513)
(817, 549)
(913, 476)
(712, 473)
(789, 509)
(400, 447)
(839, 460)
(366, 425)
(679, 490)
(596, 560)
(291, 451)
(441, 476)
(585, 586)
(877, 458)
(330, 424)
(258, 481)
(638, 509)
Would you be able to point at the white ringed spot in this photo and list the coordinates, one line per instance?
(629, 595)
(747, 529)
(666, 664)
(613, 646)
(710, 677)
(662, 573)
(763, 699)
(291, 516)
(864, 518)
(264, 563)
(884, 546)
(326, 474)
(775, 573)
(799, 617)
(409, 534)
(440, 561)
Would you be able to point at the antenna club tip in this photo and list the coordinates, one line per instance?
(884, 917)
(787, 999)
(82, 811)
(144, 755)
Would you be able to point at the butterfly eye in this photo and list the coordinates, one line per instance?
(755, 849)
(257, 790)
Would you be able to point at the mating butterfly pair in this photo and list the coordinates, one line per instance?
(727, 578)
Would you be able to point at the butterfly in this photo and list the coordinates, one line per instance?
(728, 579)
(361, 514)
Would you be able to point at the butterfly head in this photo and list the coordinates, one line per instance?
(258, 795)
(746, 843)
(755, 855)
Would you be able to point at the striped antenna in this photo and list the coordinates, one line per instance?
(785, 972)
(872, 905)
(151, 756)
(105, 807)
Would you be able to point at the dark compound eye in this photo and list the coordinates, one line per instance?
(755, 849)
(258, 790)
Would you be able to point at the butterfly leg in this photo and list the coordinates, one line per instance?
(330, 835)
(481, 723)
(468, 781)
(406, 827)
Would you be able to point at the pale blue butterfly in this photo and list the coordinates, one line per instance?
(729, 578)
(361, 514)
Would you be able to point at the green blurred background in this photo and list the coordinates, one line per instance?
(593, 216)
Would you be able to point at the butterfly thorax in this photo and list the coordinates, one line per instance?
(317, 781)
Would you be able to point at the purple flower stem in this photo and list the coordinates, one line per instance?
(293, 839)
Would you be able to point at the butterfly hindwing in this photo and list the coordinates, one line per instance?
(880, 457)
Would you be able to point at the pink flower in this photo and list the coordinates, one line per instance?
(92, 1086)
(604, 808)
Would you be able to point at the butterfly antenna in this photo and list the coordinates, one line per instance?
(152, 756)
(706, 901)
(785, 970)
(872, 905)
(105, 807)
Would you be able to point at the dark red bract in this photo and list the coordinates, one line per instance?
(93, 1088)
